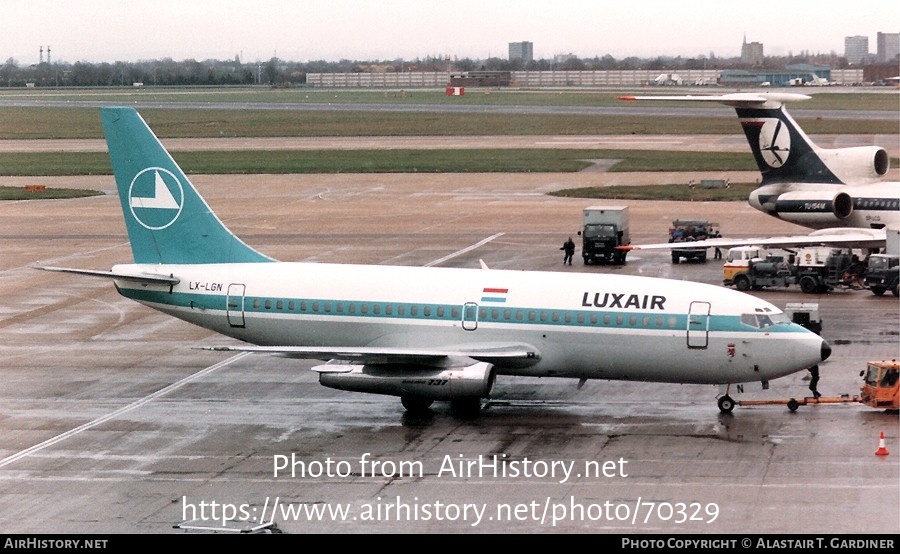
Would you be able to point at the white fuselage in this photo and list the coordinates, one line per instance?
(825, 206)
(583, 325)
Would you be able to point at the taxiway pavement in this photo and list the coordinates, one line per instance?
(112, 421)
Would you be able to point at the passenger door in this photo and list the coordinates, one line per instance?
(698, 325)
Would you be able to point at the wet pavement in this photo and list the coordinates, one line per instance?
(113, 421)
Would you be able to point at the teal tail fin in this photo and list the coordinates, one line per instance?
(168, 221)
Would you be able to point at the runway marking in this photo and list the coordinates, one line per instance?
(136, 404)
(464, 250)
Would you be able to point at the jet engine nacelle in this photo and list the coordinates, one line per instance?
(857, 165)
(474, 381)
(811, 208)
(814, 206)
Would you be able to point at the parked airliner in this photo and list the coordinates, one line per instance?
(427, 334)
(838, 191)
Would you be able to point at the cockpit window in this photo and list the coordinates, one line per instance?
(779, 319)
(762, 321)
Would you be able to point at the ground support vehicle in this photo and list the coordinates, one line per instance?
(881, 382)
(687, 231)
(883, 274)
(815, 270)
(604, 233)
(805, 314)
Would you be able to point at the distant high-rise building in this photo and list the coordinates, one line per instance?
(856, 49)
(751, 52)
(888, 47)
(521, 51)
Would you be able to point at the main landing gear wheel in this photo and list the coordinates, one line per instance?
(726, 404)
(465, 408)
(416, 404)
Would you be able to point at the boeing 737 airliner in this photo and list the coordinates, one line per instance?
(427, 334)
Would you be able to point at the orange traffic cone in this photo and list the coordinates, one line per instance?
(882, 451)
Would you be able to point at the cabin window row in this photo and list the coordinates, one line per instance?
(353, 308)
(454, 312)
(878, 203)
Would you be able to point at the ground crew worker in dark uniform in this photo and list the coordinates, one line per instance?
(814, 380)
(569, 248)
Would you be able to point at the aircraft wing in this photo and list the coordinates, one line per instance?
(498, 354)
(143, 277)
(843, 237)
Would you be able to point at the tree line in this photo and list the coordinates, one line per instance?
(277, 72)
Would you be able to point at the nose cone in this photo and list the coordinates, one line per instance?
(826, 350)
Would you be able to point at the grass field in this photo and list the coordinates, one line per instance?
(79, 122)
(50, 193)
(511, 96)
(23, 122)
(386, 161)
(670, 191)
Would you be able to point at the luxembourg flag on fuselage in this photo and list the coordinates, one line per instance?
(495, 295)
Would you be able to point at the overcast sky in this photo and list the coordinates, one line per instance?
(304, 30)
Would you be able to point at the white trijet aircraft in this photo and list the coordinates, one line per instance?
(427, 334)
(836, 191)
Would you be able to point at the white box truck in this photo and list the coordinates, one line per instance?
(604, 230)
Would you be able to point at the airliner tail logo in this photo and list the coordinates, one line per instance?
(156, 198)
(774, 142)
(161, 198)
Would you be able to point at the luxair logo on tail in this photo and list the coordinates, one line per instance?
(156, 198)
(774, 142)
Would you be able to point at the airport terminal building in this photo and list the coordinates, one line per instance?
(792, 76)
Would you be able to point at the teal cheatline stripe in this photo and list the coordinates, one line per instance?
(492, 299)
(176, 299)
(321, 307)
(168, 222)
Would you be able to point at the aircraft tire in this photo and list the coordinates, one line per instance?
(793, 405)
(465, 408)
(726, 404)
(416, 404)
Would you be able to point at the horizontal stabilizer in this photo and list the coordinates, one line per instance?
(147, 278)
